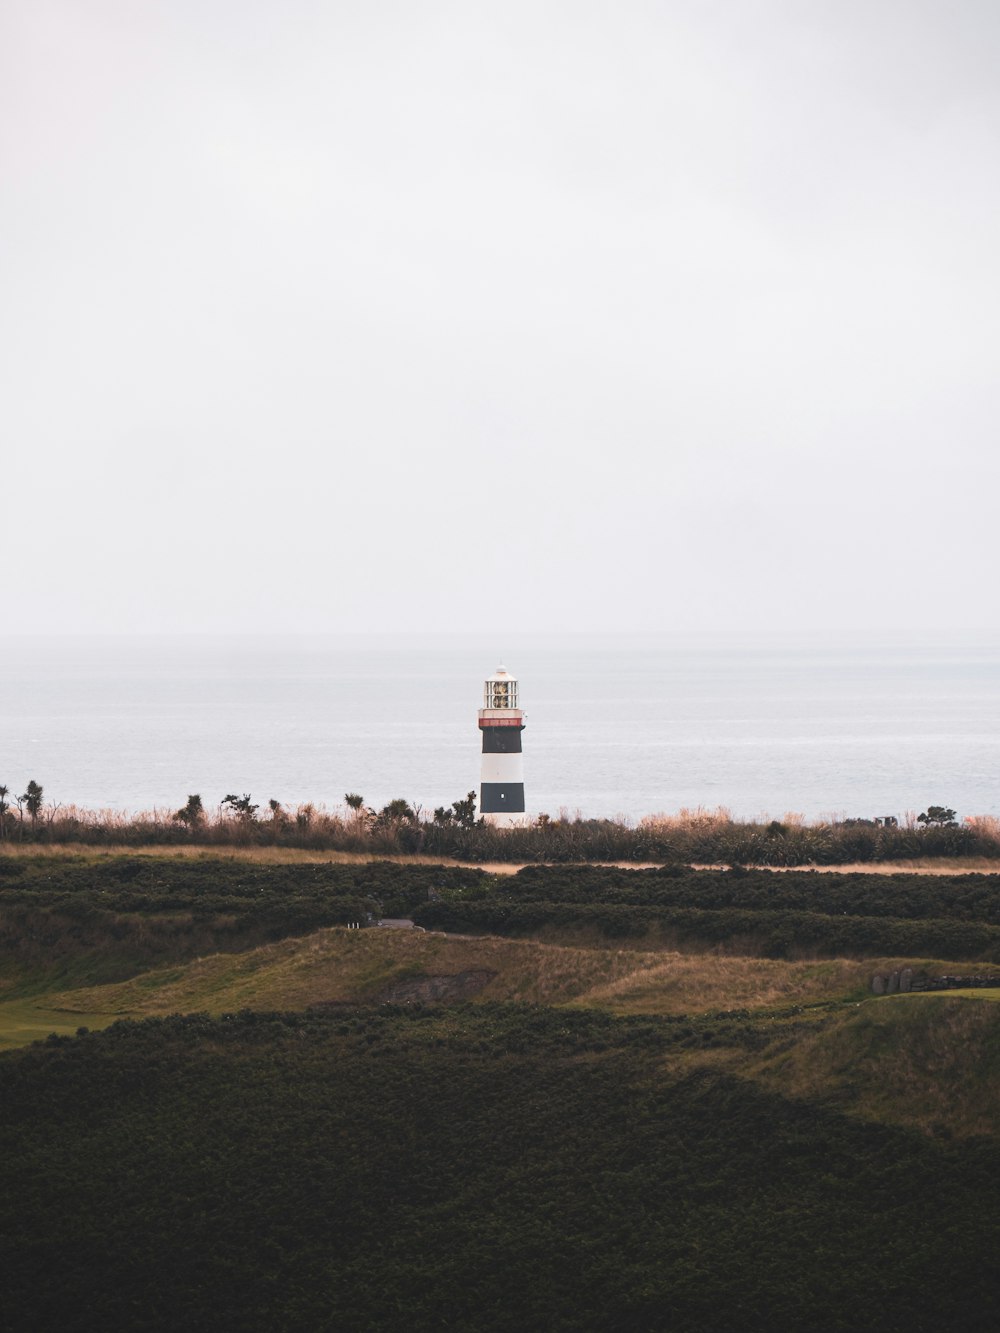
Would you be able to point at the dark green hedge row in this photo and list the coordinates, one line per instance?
(170, 884)
(778, 934)
(142, 910)
(163, 884)
(968, 897)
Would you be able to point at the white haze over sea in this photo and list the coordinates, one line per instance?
(616, 726)
(543, 316)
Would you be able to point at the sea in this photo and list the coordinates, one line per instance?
(616, 726)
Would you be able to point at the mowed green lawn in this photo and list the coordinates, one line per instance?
(965, 993)
(24, 1021)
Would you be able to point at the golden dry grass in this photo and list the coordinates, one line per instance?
(337, 964)
(696, 983)
(928, 1061)
(297, 855)
(254, 855)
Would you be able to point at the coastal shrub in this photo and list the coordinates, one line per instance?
(699, 837)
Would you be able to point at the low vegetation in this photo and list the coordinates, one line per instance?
(399, 828)
(584, 1098)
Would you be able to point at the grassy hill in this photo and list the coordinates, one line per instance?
(376, 965)
(335, 965)
(928, 1061)
(646, 1099)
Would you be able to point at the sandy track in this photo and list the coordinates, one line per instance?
(294, 855)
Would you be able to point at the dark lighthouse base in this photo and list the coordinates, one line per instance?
(498, 798)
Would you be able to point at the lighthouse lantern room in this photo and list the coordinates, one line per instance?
(501, 794)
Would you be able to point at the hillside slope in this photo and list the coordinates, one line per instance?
(383, 965)
(477, 1168)
(929, 1061)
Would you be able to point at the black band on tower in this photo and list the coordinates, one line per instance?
(502, 798)
(502, 740)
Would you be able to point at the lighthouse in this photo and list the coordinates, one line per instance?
(501, 795)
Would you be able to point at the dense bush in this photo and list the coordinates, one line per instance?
(969, 897)
(778, 934)
(165, 884)
(774, 914)
(497, 1169)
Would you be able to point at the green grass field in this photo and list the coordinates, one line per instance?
(26, 1020)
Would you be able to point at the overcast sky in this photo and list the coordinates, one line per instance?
(362, 316)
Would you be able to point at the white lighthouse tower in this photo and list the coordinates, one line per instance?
(501, 795)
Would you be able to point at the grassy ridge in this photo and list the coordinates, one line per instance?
(928, 1061)
(362, 966)
(473, 1168)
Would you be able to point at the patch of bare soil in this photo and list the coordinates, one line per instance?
(438, 990)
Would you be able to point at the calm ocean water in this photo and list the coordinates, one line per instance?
(614, 726)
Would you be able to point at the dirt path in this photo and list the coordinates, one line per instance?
(295, 855)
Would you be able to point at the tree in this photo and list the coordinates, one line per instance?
(241, 807)
(397, 812)
(937, 815)
(353, 801)
(32, 799)
(4, 807)
(465, 811)
(462, 813)
(192, 814)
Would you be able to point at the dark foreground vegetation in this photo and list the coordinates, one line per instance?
(494, 1166)
(501, 1168)
(85, 920)
(454, 832)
